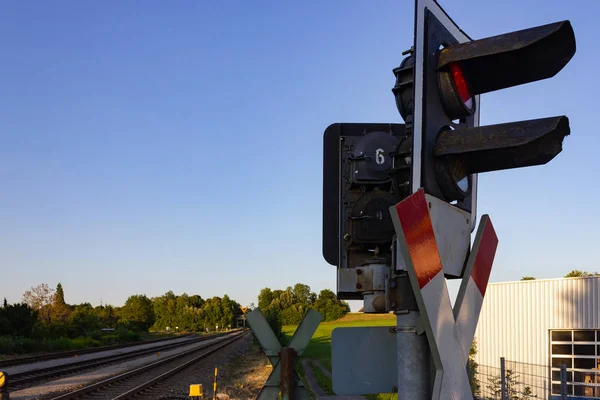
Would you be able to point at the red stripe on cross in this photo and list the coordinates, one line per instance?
(485, 257)
(416, 224)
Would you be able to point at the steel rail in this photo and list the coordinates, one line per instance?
(11, 362)
(139, 389)
(20, 380)
(143, 369)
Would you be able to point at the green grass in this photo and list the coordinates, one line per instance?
(302, 374)
(320, 344)
(20, 345)
(17, 345)
(322, 380)
(382, 396)
(319, 347)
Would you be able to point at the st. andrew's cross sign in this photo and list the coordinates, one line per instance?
(283, 379)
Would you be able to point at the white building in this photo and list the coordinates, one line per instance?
(537, 326)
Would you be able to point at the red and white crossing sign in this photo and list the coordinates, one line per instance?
(449, 332)
(472, 289)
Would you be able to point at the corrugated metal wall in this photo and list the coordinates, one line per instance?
(516, 316)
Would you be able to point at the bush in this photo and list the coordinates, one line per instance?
(59, 344)
(97, 335)
(84, 342)
(109, 339)
(19, 345)
(273, 317)
(7, 345)
(22, 345)
(26, 345)
(126, 335)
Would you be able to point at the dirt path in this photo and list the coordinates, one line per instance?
(314, 386)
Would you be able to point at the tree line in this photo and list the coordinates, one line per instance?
(572, 274)
(43, 315)
(289, 306)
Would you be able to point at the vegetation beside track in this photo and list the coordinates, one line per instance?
(319, 348)
(43, 322)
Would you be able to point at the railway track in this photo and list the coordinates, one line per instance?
(64, 354)
(30, 378)
(133, 384)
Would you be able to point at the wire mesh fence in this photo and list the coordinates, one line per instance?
(527, 381)
(583, 383)
(523, 381)
(487, 383)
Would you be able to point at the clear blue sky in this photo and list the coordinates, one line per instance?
(149, 146)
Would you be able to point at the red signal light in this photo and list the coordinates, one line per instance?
(456, 94)
(461, 85)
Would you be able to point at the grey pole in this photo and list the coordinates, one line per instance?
(412, 358)
(563, 382)
(502, 379)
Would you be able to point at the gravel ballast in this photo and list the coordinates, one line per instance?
(235, 372)
(72, 382)
(92, 356)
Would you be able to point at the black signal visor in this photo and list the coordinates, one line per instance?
(512, 59)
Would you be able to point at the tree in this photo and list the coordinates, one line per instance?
(17, 320)
(107, 316)
(495, 386)
(59, 297)
(60, 311)
(194, 313)
(277, 298)
(292, 304)
(293, 314)
(328, 304)
(528, 278)
(472, 366)
(195, 301)
(265, 298)
(165, 310)
(229, 311)
(40, 298)
(513, 387)
(273, 317)
(303, 295)
(138, 312)
(578, 274)
(84, 320)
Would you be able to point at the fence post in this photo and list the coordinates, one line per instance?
(502, 379)
(563, 382)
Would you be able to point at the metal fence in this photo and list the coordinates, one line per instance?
(523, 381)
(527, 381)
(584, 384)
(487, 382)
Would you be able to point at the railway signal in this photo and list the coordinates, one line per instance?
(435, 159)
(451, 71)
(366, 170)
(440, 148)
